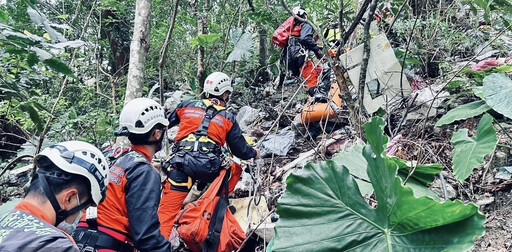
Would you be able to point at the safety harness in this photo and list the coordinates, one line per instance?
(199, 140)
(197, 155)
(89, 240)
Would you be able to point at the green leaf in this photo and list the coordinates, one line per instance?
(204, 39)
(354, 161)
(497, 93)
(417, 187)
(243, 47)
(463, 112)
(478, 91)
(33, 114)
(4, 17)
(16, 51)
(32, 59)
(36, 17)
(322, 210)
(58, 66)
(42, 54)
(423, 173)
(468, 152)
(504, 68)
(68, 44)
(193, 85)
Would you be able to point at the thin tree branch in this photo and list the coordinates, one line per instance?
(163, 51)
(254, 230)
(223, 63)
(396, 17)
(354, 24)
(13, 162)
(405, 55)
(366, 57)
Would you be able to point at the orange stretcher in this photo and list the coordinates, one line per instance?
(321, 111)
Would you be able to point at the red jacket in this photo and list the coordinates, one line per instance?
(223, 127)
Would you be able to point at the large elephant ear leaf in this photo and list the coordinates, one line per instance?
(497, 93)
(322, 210)
(463, 112)
(469, 152)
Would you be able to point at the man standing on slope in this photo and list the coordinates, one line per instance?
(71, 176)
(204, 126)
(294, 55)
(128, 219)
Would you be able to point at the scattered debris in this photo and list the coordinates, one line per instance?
(485, 199)
(18, 176)
(278, 144)
(504, 173)
(416, 81)
(393, 145)
(488, 63)
(384, 82)
(248, 213)
(246, 117)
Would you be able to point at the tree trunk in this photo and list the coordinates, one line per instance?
(138, 49)
(263, 75)
(201, 29)
(117, 32)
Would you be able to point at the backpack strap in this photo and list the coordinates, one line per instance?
(209, 114)
(211, 243)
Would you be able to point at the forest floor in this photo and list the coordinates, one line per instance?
(493, 195)
(419, 141)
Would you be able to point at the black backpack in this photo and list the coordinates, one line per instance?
(197, 155)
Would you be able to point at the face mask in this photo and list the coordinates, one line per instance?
(70, 228)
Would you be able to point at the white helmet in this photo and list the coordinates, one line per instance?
(140, 115)
(79, 158)
(217, 83)
(299, 11)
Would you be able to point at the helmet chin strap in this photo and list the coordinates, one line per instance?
(60, 214)
(158, 142)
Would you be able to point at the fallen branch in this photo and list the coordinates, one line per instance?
(254, 230)
(13, 162)
(303, 156)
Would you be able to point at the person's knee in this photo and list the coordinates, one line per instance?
(179, 180)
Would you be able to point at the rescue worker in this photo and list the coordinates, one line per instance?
(204, 126)
(71, 176)
(300, 42)
(128, 219)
